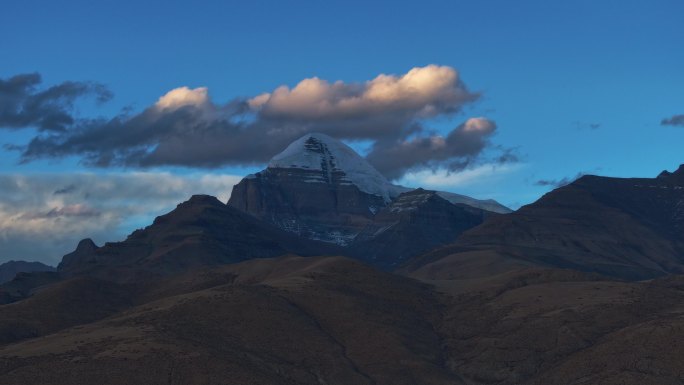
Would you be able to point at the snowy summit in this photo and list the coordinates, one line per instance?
(327, 156)
(320, 152)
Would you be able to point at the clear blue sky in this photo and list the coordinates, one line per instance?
(574, 86)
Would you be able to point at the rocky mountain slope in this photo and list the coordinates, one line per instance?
(413, 223)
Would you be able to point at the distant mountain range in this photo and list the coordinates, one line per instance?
(318, 197)
(320, 271)
(9, 270)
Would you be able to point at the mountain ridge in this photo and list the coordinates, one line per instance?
(632, 228)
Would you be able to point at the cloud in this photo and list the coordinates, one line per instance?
(455, 151)
(185, 127)
(555, 183)
(37, 222)
(23, 104)
(71, 210)
(445, 179)
(675, 120)
(65, 190)
(183, 96)
(420, 93)
(583, 125)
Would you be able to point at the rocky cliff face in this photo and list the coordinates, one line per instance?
(414, 222)
(298, 201)
(317, 188)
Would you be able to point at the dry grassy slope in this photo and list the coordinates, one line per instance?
(332, 320)
(61, 305)
(284, 321)
(564, 327)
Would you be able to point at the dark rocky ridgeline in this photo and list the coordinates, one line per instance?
(631, 228)
(199, 232)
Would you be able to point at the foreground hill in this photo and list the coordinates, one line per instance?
(332, 320)
(283, 321)
(632, 228)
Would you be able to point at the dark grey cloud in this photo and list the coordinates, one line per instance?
(555, 183)
(507, 155)
(65, 190)
(675, 120)
(23, 104)
(186, 127)
(588, 126)
(455, 151)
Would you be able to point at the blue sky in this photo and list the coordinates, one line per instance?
(574, 87)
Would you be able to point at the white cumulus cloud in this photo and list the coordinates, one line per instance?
(421, 92)
(183, 96)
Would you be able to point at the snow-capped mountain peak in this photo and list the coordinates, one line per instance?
(326, 155)
(333, 161)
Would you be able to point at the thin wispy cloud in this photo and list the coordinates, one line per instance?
(586, 126)
(443, 179)
(555, 183)
(453, 152)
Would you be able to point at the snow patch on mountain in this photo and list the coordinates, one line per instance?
(326, 155)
